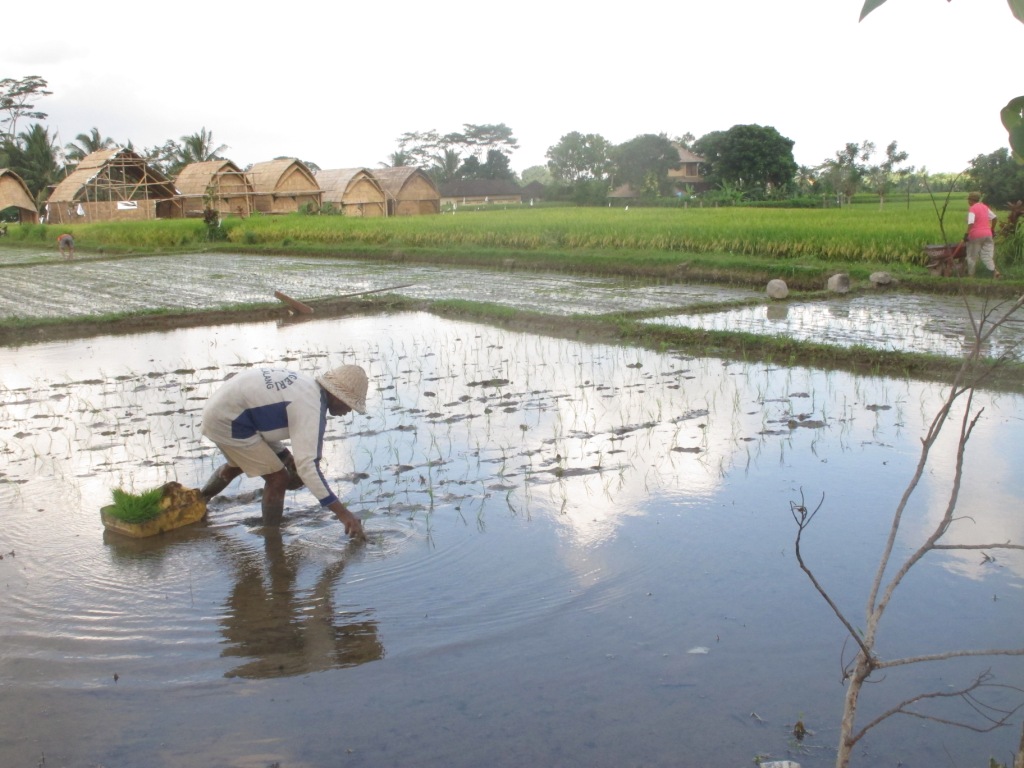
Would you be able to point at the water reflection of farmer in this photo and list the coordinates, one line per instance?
(252, 413)
(66, 244)
(286, 630)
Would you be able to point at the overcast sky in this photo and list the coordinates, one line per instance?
(336, 83)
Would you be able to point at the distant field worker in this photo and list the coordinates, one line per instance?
(66, 244)
(252, 413)
(981, 225)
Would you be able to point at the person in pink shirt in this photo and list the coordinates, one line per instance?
(981, 225)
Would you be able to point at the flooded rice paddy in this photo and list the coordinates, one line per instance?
(201, 281)
(36, 285)
(905, 323)
(579, 555)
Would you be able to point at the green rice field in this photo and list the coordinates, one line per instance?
(889, 234)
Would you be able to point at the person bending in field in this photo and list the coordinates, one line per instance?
(249, 416)
(66, 244)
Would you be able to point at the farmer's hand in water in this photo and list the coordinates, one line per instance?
(353, 525)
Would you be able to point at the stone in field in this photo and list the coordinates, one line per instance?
(839, 283)
(777, 289)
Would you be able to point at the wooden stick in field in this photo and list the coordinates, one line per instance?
(297, 306)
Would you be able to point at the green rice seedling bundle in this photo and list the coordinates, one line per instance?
(135, 508)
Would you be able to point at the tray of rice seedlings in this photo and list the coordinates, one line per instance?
(160, 509)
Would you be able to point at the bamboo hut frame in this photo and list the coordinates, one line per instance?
(410, 192)
(15, 194)
(113, 185)
(353, 192)
(219, 182)
(283, 186)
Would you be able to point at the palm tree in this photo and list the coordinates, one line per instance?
(398, 159)
(446, 166)
(33, 156)
(196, 148)
(85, 144)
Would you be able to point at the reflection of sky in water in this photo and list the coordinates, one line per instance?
(568, 514)
(912, 323)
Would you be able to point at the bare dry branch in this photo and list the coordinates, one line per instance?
(995, 717)
(1005, 545)
(949, 655)
(858, 671)
(803, 519)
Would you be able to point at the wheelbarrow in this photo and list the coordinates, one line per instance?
(947, 260)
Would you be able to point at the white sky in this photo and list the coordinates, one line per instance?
(336, 83)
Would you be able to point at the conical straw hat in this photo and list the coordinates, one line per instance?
(348, 383)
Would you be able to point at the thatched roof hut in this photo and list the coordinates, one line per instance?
(352, 191)
(219, 183)
(113, 185)
(410, 192)
(284, 186)
(480, 192)
(14, 194)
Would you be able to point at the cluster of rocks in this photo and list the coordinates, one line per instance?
(838, 283)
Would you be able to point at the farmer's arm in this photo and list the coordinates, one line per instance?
(306, 424)
(306, 427)
(353, 526)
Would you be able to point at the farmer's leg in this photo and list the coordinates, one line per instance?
(273, 496)
(219, 480)
(988, 252)
(973, 251)
(254, 457)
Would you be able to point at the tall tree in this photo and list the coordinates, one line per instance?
(847, 170)
(685, 141)
(997, 177)
(14, 101)
(579, 157)
(539, 173)
(470, 168)
(424, 148)
(481, 139)
(420, 148)
(85, 144)
(756, 159)
(643, 162)
(887, 173)
(496, 167)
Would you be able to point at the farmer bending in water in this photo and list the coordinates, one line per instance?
(66, 244)
(249, 416)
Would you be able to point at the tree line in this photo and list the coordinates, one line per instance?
(745, 163)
